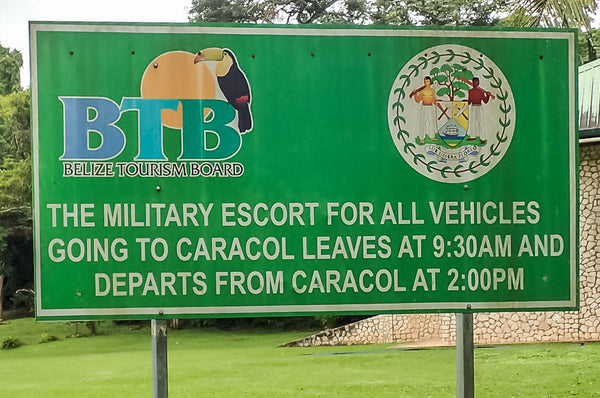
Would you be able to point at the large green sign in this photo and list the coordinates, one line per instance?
(187, 170)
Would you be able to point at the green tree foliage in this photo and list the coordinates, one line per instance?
(552, 13)
(279, 11)
(15, 185)
(588, 45)
(14, 125)
(389, 12)
(10, 66)
(359, 12)
(15, 150)
(233, 11)
(16, 263)
(15, 142)
(453, 12)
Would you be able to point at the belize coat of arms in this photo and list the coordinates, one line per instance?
(451, 113)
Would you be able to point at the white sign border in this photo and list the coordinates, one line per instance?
(570, 36)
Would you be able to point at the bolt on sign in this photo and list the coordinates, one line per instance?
(205, 171)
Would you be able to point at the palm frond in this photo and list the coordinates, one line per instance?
(552, 13)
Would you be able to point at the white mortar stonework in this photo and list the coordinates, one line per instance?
(504, 327)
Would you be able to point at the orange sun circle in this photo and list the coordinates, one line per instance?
(174, 75)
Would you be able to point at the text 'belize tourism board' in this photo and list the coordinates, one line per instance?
(205, 171)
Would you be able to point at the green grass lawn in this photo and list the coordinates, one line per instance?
(213, 363)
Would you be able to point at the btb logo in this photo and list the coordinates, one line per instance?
(451, 113)
(206, 96)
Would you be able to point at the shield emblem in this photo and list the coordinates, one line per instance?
(453, 116)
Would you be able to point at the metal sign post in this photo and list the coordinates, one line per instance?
(465, 385)
(160, 380)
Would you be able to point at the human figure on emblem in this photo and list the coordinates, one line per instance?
(477, 98)
(426, 96)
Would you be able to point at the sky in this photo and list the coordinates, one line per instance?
(16, 14)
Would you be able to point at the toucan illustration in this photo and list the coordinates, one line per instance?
(232, 82)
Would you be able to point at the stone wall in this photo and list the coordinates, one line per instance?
(504, 327)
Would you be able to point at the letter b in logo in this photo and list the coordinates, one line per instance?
(84, 115)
